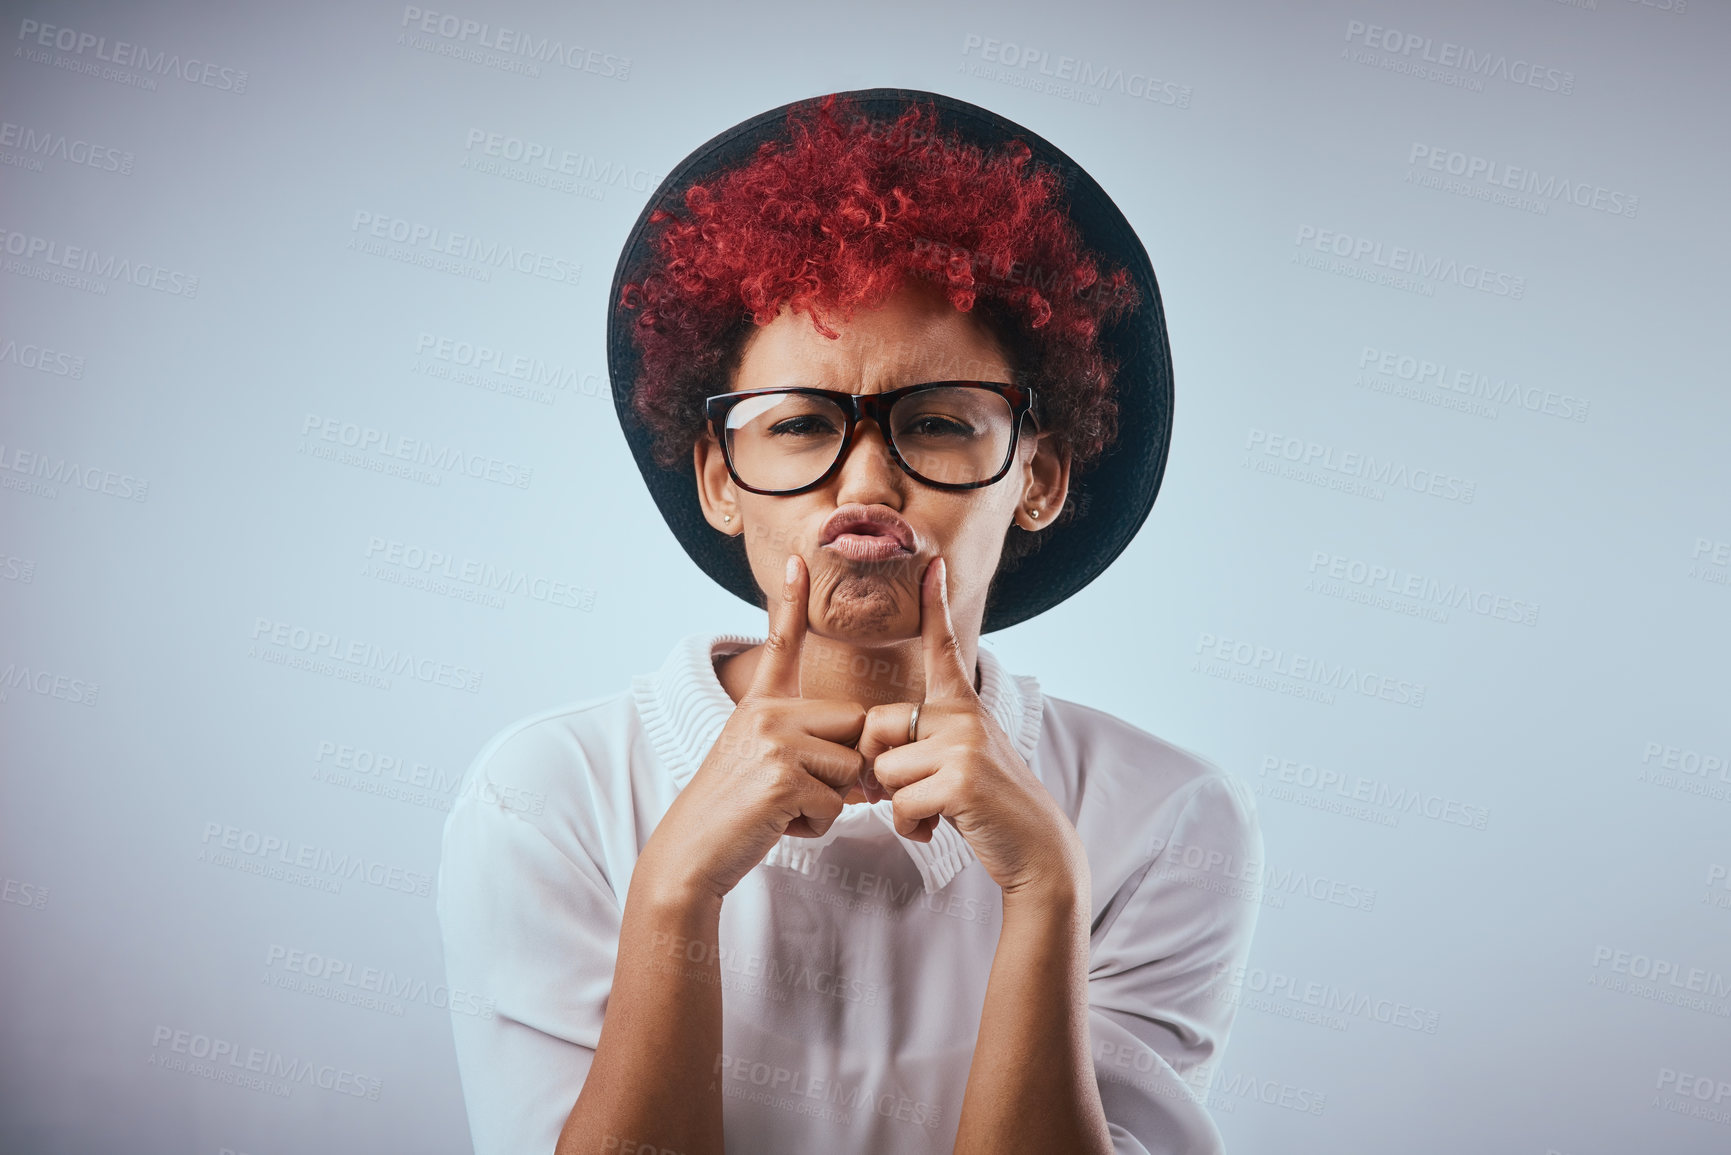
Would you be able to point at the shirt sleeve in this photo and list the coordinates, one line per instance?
(1162, 954)
(532, 931)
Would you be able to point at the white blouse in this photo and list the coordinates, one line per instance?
(854, 966)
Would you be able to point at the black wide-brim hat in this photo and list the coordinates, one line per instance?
(1111, 498)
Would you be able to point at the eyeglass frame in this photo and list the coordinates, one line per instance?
(857, 407)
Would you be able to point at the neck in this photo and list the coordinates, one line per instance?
(870, 675)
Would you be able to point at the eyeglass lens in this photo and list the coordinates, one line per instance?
(950, 435)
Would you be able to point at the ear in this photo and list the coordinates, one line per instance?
(1045, 483)
(715, 488)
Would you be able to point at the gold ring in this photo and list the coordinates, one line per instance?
(914, 723)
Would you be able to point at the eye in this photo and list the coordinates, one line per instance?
(805, 425)
(936, 425)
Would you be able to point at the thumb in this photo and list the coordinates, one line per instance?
(777, 674)
(946, 670)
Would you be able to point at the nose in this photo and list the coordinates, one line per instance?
(868, 474)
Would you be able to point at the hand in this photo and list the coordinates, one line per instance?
(782, 765)
(965, 768)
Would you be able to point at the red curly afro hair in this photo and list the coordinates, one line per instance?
(836, 218)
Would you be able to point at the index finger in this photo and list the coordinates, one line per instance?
(777, 674)
(947, 675)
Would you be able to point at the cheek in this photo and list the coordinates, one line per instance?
(773, 528)
(970, 533)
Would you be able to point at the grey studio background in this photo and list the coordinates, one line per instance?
(1445, 285)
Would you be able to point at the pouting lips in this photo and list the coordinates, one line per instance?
(867, 547)
(867, 533)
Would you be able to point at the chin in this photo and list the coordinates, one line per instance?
(860, 608)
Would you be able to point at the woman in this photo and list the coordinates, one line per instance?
(852, 886)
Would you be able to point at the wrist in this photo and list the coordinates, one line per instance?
(671, 890)
(1060, 879)
(1058, 892)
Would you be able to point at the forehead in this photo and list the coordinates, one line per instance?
(915, 335)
